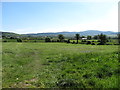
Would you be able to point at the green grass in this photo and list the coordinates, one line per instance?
(15, 40)
(61, 65)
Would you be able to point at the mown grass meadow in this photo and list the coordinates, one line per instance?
(59, 65)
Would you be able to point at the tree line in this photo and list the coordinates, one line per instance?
(102, 39)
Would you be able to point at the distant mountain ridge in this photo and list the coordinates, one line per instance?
(67, 34)
(85, 33)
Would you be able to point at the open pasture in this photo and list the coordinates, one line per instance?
(59, 65)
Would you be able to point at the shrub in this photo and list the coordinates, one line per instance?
(93, 44)
(107, 40)
(35, 41)
(53, 41)
(47, 39)
(12, 38)
(19, 40)
(88, 42)
(65, 40)
(116, 44)
(100, 43)
(73, 42)
(68, 41)
(58, 40)
(4, 40)
(108, 44)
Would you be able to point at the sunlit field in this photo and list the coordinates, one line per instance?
(59, 65)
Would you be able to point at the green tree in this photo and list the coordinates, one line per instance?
(47, 39)
(102, 38)
(61, 37)
(89, 37)
(19, 40)
(95, 37)
(77, 36)
(83, 37)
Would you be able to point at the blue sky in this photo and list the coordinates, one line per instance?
(37, 17)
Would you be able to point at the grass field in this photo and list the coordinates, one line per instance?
(59, 65)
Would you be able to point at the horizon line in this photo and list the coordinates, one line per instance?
(58, 31)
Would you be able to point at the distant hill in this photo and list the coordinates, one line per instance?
(8, 34)
(66, 34)
(70, 34)
(96, 32)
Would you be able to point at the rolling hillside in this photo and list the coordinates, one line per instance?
(66, 34)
